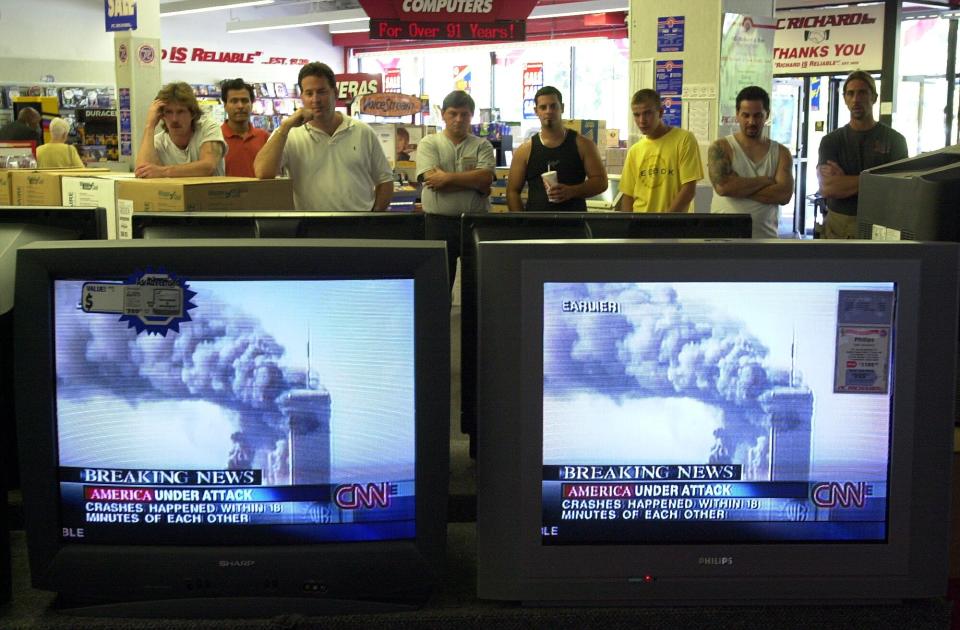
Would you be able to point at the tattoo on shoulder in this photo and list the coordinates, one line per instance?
(719, 163)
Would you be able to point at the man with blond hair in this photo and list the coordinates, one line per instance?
(177, 140)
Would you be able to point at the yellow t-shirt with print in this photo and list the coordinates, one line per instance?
(656, 169)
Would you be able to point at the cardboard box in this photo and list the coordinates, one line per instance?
(42, 187)
(5, 198)
(94, 190)
(186, 194)
(596, 130)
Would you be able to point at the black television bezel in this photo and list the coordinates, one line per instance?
(365, 225)
(38, 223)
(513, 564)
(90, 222)
(184, 580)
(544, 225)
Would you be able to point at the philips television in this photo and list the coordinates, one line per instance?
(912, 199)
(477, 227)
(234, 427)
(20, 225)
(369, 225)
(684, 422)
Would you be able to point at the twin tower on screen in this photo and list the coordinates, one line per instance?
(656, 421)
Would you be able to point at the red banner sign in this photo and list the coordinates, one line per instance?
(388, 104)
(352, 85)
(449, 10)
(502, 31)
(484, 20)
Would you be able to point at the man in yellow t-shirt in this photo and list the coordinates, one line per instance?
(662, 169)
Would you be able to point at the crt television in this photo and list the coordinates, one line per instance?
(20, 225)
(912, 199)
(500, 226)
(697, 421)
(373, 225)
(234, 428)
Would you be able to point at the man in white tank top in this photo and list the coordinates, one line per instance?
(751, 174)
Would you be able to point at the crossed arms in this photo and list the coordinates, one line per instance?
(727, 183)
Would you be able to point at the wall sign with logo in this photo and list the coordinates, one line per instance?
(670, 33)
(438, 20)
(672, 110)
(669, 77)
(532, 81)
(832, 41)
(120, 15)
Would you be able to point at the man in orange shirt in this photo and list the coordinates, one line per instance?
(244, 140)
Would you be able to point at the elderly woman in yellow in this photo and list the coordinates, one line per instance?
(57, 153)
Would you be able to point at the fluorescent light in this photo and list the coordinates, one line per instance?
(184, 7)
(358, 26)
(578, 8)
(297, 21)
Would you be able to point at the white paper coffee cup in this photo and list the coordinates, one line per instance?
(549, 179)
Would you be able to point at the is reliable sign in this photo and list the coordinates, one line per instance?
(438, 20)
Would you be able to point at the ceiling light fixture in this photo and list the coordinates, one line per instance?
(185, 7)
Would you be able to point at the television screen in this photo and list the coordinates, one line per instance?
(242, 424)
(377, 225)
(269, 404)
(479, 227)
(711, 430)
(714, 421)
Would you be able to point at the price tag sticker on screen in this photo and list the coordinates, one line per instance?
(864, 325)
(151, 302)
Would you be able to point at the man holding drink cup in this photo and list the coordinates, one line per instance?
(560, 167)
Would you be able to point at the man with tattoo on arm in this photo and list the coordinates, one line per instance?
(751, 174)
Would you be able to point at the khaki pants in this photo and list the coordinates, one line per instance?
(838, 225)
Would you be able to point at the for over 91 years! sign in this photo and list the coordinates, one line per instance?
(437, 20)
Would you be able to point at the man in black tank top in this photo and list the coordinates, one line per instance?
(575, 160)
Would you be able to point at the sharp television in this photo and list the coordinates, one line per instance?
(695, 421)
(20, 225)
(912, 199)
(373, 225)
(234, 427)
(477, 227)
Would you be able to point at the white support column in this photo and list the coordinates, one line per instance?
(137, 61)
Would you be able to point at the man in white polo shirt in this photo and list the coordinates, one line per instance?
(336, 163)
(457, 169)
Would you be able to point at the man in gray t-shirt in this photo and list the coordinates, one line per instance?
(844, 153)
(456, 169)
(177, 140)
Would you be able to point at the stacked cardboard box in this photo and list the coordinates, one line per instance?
(97, 190)
(35, 187)
(185, 194)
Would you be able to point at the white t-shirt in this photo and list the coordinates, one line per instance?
(337, 173)
(206, 131)
(437, 150)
